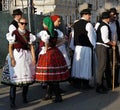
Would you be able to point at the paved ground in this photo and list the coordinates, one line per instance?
(73, 99)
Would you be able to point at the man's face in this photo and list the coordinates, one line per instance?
(88, 17)
(18, 17)
(113, 16)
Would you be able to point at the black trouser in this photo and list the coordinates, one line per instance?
(13, 93)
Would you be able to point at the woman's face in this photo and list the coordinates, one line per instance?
(45, 27)
(57, 22)
(22, 23)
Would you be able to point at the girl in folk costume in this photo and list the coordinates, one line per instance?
(51, 67)
(61, 38)
(21, 60)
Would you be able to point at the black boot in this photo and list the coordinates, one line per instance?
(24, 94)
(61, 90)
(48, 94)
(101, 89)
(58, 99)
(12, 96)
(56, 89)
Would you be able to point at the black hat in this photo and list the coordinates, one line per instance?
(17, 12)
(113, 10)
(105, 15)
(85, 11)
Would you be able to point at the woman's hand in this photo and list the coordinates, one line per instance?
(34, 62)
(13, 62)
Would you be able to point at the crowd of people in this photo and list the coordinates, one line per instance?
(82, 56)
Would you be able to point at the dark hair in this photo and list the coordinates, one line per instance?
(113, 10)
(105, 15)
(85, 11)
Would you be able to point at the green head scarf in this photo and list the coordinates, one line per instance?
(49, 23)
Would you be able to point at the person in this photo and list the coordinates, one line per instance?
(98, 23)
(71, 44)
(17, 14)
(61, 40)
(102, 51)
(68, 29)
(84, 41)
(115, 36)
(21, 60)
(51, 66)
(71, 52)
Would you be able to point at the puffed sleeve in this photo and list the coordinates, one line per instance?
(32, 38)
(11, 28)
(38, 35)
(60, 33)
(44, 36)
(10, 38)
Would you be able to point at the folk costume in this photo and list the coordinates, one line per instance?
(84, 41)
(115, 36)
(61, 39)
(102, 52)
(23, 73)
(22, 56)
(51, 64)
(51, 67)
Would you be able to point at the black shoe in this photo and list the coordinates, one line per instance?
(62, 91)
(88, 87)
(58, 99)
(25, 100)
(101, 91)
(116, 84)
(106, 88)
(47, 98)
(12, 105)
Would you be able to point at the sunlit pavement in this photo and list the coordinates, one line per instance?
(73, 99)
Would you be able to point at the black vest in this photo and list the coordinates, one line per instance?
(15, 23)
(80, 34)
(99, 38)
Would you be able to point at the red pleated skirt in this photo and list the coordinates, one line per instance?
(52, 66)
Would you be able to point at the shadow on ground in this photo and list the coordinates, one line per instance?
(73, 99)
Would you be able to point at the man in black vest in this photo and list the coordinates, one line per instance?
(102, 47)
(115, 36)
(17, 14)
(84, 41)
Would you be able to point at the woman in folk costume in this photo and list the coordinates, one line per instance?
(84, 41)
(61, 38)
(21, 60)
(51, 67)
